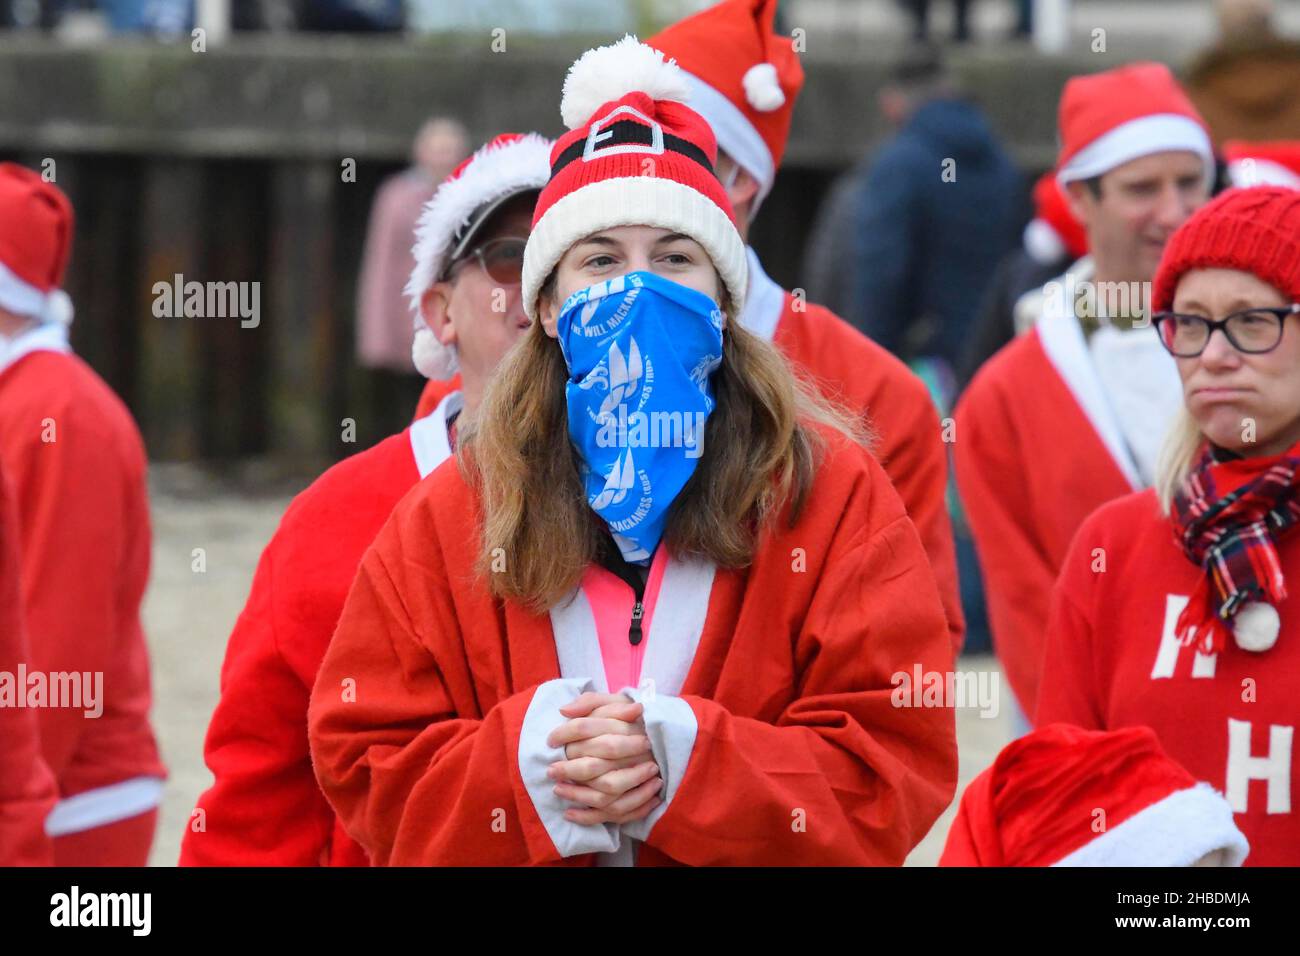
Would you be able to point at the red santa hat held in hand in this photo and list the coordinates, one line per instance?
(1064, 796)
(35, 242)
(635, 155)
(507, 166)
(744, 79)
(1108, 119)
(1263, 164)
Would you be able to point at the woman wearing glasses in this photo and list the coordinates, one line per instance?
(659, 611)
(1173, 608)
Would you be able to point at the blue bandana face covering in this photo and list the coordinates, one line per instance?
(641, 352)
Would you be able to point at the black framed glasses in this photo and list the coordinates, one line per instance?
(501, 259)
(1253, 331)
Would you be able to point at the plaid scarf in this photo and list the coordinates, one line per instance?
(1233, 538)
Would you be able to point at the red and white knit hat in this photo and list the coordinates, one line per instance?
(1064, 796)
(635, 156)
(1111, 118)
(744, 80)
(507, 166)
(35, 242)
(1263, 164)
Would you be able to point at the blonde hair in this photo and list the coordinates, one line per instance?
(762, 451)
(1178, 453)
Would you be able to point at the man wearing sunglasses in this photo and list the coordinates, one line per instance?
(265, 807)
(1072, 414)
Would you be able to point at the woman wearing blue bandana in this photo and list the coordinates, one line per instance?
(659, 612)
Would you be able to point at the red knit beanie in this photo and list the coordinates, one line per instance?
(635, 155)
(1255, 230)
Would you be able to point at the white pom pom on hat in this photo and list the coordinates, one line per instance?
(610, 72)
(763, 88)
(1256, 626)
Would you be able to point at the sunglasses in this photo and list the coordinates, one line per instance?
(1252, 331)
(502, 260)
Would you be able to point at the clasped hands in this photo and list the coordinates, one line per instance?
(608, 770)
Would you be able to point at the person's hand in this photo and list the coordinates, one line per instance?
(608, 768)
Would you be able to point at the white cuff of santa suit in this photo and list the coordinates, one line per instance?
(671, 726)
(535, 756)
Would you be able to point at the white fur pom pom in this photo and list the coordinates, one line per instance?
(609, 72)
(433, 359)
(58, 307)
(762, 88)
(1256, 626)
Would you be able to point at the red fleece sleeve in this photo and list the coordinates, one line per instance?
(843, 776)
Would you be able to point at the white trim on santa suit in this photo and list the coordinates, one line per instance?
(431, 435)
(45, 337)
(764, 301)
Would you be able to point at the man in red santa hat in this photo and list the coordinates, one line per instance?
(77, 464)
(265, 807)
(1064, 796)
(27, 791)
(744, 81)
(1072, 414)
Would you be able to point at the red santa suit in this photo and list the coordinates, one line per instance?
(78, 469)
(771, 716)
(27, 789)
(84, 520)
(265, 807)
(1042, 439)
(1112, 660)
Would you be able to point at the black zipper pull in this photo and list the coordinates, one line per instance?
(634, 631)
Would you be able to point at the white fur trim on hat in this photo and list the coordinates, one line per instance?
(20, 297)
(611, 72)
(736, 135)
(635, 201)
(1157, 133)
(1253, 171)
(1176, 831)
(493, 172)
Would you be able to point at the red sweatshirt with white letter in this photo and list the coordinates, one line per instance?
(1112, 661)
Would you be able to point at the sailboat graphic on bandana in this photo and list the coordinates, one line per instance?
(620, 480)
(641, 351)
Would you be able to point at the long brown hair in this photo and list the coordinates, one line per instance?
(539, 534)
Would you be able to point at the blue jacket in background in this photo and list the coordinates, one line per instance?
(926, 248)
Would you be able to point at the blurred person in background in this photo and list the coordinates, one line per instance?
(936, 214)
(1245, 85)
(383, 326)
(1052, 242)
(265, 807)
(78, 469)
(1071, 414)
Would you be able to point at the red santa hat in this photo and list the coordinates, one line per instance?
(35, 242)
(635, 155)
(744, 79)
(1263, 164)
(1064, 796)
(1054, 231)
(1111, 118)
(507, 166)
